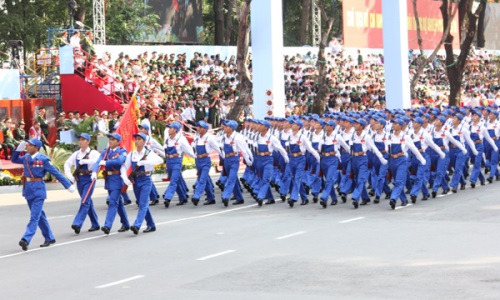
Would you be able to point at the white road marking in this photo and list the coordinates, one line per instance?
(400, 207)
(59, 217)
(351, 220)
(119, 282)
(215, 255)
(58, 245)
(207, 215)
(290, 235)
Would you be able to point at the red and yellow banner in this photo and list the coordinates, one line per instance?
(128, 125)
(363, 24)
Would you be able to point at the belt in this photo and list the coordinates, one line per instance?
(264, 153)
(297, 154)
(202, 155)
(442, 147)
(33, 179)
(326, 154)
(82, 173)
(142, 174)
(397, 155)
(453, 146)
(173, 155)
(343, 150)
(109, 173)
(383, 151)
(231, 154)
(478, 142)
(358, 153)
(421, 150)
(495, 138)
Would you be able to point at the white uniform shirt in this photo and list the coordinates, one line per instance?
(180, 143)
(238, 143)
(273, 144)
(304, 144)
(71, 161)
(207, 140)
(152, 159)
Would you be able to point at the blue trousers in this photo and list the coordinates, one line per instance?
(87, 208)
(115, 206)
(492, 159)
(422, 174)
(37, 219)
(476, 167)
(360, 169)
(346, 180)
(286, 181)
(297, 165)
(266, 172)
(177, 183)
(441, 165)
(204, 182)
(329, 167)
(142, 190)
(457, 160)
(232, 185)
(399, 170)
(379, 172)
(153, 196)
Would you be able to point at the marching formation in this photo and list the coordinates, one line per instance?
(400, 155)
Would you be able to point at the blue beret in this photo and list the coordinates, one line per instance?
(145, 126)
(398, 121)
(360, 121)
(84, 136)
(141, 135)
(202, 124)
(175, 125)
(232, 124)
(116, 136)
(35, 142)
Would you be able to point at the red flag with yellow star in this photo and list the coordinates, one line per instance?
(128, 125)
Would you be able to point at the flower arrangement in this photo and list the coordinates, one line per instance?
(6, 178)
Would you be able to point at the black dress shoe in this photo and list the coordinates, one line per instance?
(334, 202)
(167, 203)
(304, 202)
(92, 229)
(134, 229)
(291, 203)
(472, 185)
(153, 202)
(123, 229)
(47, 243)
(377, 200)
(315, 198)
(76, 228)
(270, 202)
(365, 202)
(127, 202)
(392, 203)
(483, 183)
(322, 203)
(195, 201)
(283, 198)
(388, 196)
(404, 203)
(454, 190)
(425, 198)
(149, 229)
(462, 187)
(105, 229)
(371, 193)
(490, 179)
(355, 204)
(225, 202)
(434, 194)
(344, 198)
(24, 244)
(238, 202)
(413, 199)
(181, 203)
(107, 202)
(445, 192)
(209, 202)
(259, 202)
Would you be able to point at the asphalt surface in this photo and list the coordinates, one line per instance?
(444, 248)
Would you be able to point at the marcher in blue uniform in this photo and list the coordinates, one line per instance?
(112, 159)
(157, 148)
(36, 165)
(459, 131)
(478, 134)
(203, 144)
(266, 145)
(176, 145)
(493, 127)
(233, 143)
(329, 148)
(83, 161)
(378, 170)
(142, 161)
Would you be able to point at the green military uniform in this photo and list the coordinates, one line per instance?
(43, 125)
(88, 45)
(61, 41)
(20, 134)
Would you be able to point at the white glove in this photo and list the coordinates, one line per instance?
(318, 159)
(249, 163)
(84, 161)
(141, 163)
(71, 189)
(127, 182)
(495, 149)
(71, 178)
(21, 147)
(287, 160)
(442, 155)
(383, 161)
(423, 162)
(102, 163)
(223, 156)
(93, 176)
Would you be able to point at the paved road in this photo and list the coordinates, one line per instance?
(444, 248)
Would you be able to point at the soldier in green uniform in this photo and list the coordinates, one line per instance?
(62, 40)
(9, 143)
(20, 133)
(43, 123)
(113, 121)
(87, 44)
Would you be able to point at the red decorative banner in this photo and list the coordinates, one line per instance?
(363, 24)
(128, 125)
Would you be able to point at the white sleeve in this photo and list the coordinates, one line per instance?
(277, 146)
(126, 165)
(185, 147)
(69, 163)
(453, 141)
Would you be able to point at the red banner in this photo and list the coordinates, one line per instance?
(363, 24)
(128, 125)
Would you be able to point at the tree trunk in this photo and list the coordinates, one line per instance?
(219, 22)
(245, 85)
(304, 26)
(455, 68)
(481, 41)
(321, 100)
(229, 21)
(79, 13)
